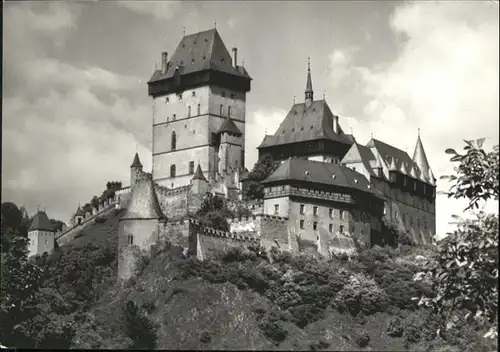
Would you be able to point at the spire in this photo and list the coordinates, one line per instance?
(309, 90)
(143, 203)
(136, 162)
(198, 175)
(420, 158)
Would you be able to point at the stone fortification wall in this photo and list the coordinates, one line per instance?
(174, 202)
(255, 206)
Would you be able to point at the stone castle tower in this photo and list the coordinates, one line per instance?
(41, 235)
(199, 99)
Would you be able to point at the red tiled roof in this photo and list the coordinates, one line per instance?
(304, 123)
(198, 52)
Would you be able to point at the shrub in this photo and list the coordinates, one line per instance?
(362, 338)
(361, 294)
(139, 328)
(395, 327)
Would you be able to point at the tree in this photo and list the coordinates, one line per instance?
(139, 328)
(214, 212)
(20, 282)
(477, 173)
(11, 216)
(264, 167)
(464, 271)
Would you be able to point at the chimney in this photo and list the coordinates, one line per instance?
(164, 61)
(235, 54)
(336, 124)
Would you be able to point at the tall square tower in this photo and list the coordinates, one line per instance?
(194, 94)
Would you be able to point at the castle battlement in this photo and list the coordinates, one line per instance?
(211, 232)
(171, 191)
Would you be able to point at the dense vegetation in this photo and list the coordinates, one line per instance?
(388, 298)
(252, 187)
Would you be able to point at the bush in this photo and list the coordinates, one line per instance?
(361, 294)
(395, 327)
(362, 338)
(138, 328)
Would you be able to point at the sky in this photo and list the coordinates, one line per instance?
(75, 104)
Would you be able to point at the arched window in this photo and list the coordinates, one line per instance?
(229, 111)
(221, 109)
(172, 170)
(189, 111)
(174, 141)
(199, 109)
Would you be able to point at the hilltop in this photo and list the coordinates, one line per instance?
(241, 299)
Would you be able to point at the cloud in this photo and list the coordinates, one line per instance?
(162, 10)
(444, 81)
(260, 122)
(67, 128)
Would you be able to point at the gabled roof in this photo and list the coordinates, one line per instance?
(198, 175)
(143, 203)
(359, 153)
(230, 127)
(198, 52)
(303, 123)
(136, 162)
(329, 174)
(41, 222)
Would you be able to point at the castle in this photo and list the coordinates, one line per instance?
(326, 192)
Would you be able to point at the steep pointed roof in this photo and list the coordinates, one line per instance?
(41, 222)
(143, 203)
(420, 158)
(309, 90)
(306, 123)
(359, 153)
(198, 174)
(79, 212)
(198, 52)
(228, 126)
(136, 162)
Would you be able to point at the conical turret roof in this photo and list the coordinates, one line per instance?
(136, 162)
(79, 212)
(198, 175)
(420, 158)
(143, 203)
(228, 126)
(41, 222)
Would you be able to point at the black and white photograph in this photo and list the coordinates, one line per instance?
(250, 175)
